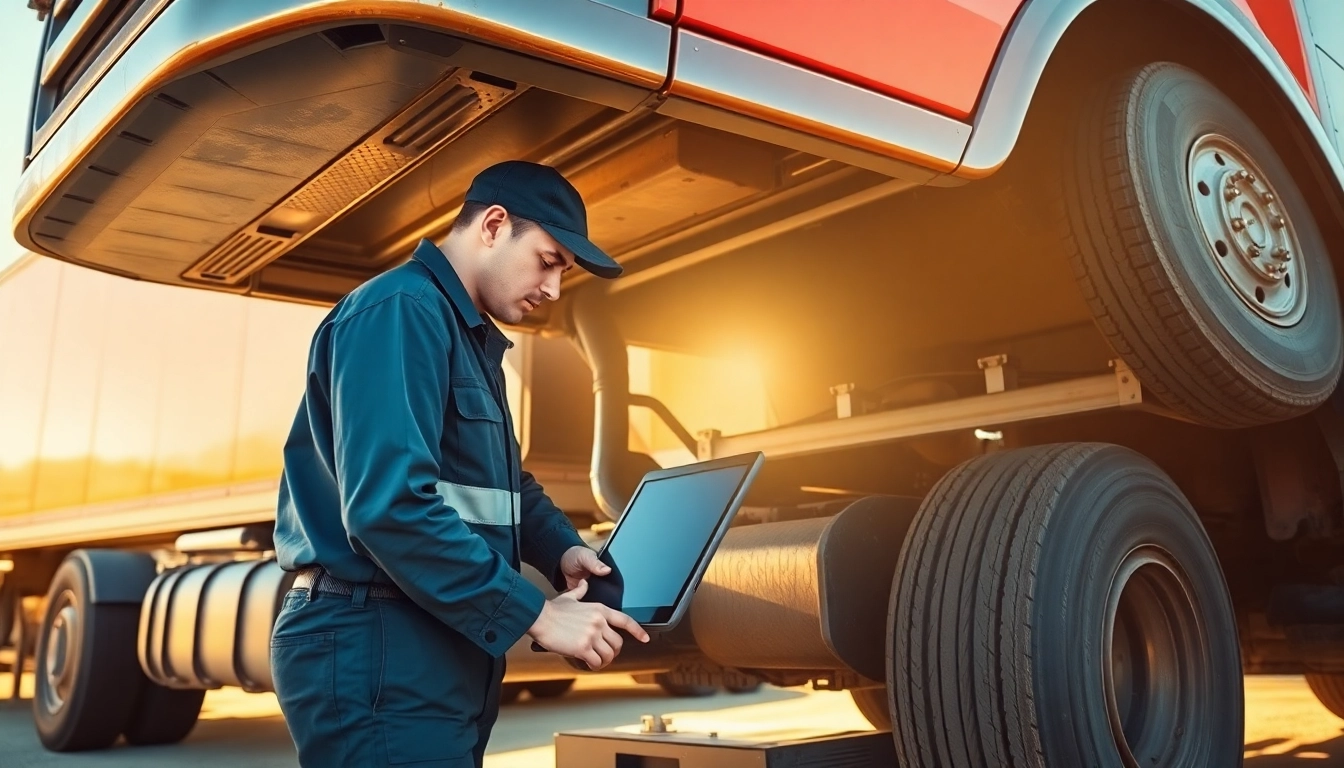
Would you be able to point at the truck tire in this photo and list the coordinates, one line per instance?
(87, 676)
(549, 689)
(682, 690)
(1174, 210)
(163, 715)
(1027, 582)
(1329, 690)
(873, 704)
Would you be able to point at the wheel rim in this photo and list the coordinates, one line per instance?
(1248, 231)
(1152, 660)
(61, 654)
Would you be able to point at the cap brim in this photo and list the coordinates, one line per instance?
(588, 256)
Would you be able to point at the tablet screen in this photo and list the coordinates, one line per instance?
(653, 552)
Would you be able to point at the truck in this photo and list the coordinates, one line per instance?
(1041, 297)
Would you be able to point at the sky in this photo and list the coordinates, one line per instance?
(20, 34)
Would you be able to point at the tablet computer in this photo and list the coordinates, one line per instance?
(665, 538)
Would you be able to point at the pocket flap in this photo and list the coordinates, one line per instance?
(475, 402)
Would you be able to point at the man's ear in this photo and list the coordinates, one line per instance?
(492, 224)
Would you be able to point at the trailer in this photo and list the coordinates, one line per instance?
(139, 416)
(1041, 296)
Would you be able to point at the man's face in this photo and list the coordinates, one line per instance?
(521, 272)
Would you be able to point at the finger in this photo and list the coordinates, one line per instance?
(604, 650)
(594, 565)
(621, 620)
(613, 639)
(578, 591)
(593, 660)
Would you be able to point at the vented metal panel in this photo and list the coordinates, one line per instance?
(238, 257)
(445, 111)
(352, 176)
(434, 122)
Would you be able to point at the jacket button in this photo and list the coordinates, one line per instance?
(490, 635)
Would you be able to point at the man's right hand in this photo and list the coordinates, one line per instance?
(584, 631)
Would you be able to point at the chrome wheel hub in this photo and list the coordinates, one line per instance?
(61, 655)
(1249, 234)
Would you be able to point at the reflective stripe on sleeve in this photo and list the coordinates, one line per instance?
(484, 506)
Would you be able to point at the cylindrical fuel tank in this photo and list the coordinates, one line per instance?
(204, 626)
(804, 594)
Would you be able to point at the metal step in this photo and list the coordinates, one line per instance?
(618, 748)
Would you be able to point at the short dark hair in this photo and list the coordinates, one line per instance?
(472, 211)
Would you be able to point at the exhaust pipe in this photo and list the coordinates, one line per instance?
(804, 594)
(601, 344)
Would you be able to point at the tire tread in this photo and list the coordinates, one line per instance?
(1001, 728)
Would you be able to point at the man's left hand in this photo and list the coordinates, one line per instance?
(578, 563)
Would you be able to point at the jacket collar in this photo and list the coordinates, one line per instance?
(437, 263)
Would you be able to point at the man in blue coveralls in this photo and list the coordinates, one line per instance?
(403, 506)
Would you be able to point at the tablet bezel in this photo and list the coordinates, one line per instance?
(752, 462)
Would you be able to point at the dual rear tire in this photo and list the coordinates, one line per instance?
(1059, 606)
(89, 688)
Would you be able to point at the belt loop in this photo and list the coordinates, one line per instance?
(312, 588)
(361, 591)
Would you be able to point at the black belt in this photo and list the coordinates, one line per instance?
(318, 580)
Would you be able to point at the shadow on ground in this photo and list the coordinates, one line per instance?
(264, 742)
(1324, 754)
(257, 743)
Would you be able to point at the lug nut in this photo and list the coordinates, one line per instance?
(1231, 192)
(1238, 223)
(1239, 175)
(1282, 254)
(1268, 197)
(1254, 250)
(1250, 178)
(1280, 222)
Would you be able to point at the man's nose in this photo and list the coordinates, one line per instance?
(550, 287)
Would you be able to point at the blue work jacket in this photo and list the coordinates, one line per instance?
(402, 465)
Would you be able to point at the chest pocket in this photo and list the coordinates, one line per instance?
(476, 436)
(475, 403)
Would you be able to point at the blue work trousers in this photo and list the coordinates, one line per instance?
(370, 682)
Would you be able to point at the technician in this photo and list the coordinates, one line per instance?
(403, 506)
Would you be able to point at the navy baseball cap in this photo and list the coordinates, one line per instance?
(539, 193)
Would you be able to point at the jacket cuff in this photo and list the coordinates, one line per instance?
(514, 615)
(558, 541)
